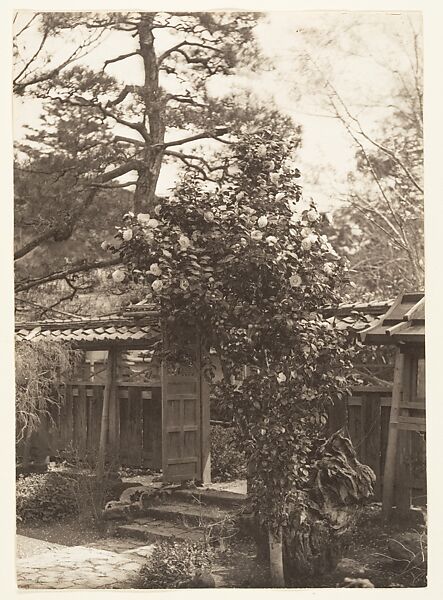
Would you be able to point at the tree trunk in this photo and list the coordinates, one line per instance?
(276, 558)
(144, 196)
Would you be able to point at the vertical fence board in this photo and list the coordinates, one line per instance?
(124, 432)
(135, 426)
(80, 421)
(371, 410)
(354, 425)
(66, 418)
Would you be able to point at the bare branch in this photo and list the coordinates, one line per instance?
(36, 305)
(177, 47)
(35, 15)
(121, 57)
(82, 267)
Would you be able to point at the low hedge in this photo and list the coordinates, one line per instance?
(177, 565)
(45, 497)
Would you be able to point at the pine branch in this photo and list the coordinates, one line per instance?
(200, 136)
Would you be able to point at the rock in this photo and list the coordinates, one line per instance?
(115, 510)
(409, 546)
(132, 494)
(356, 583)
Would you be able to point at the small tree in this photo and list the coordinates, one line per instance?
(244, 266)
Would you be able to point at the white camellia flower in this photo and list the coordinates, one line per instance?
(256, 235)
(184, 284)
(184, 242)
(149, 237)
(127, 235)
(262, 222)
(167, 253)
(295, 219)
(274, 177)
(158, 209)
(118, 276)
(270, 165)
(104, 245)
(328, 269)
(312, 215)
(155, 270)
(240, 196)
(281, 378)
(306, 231)
(243, 242)
(279, 196)
(152, 223)
(157, 285)
(295, 280)
(261, 151)
(271, 239)
(208, 216)
(143, 218)
(306, 243)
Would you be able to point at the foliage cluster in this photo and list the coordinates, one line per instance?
(227, 461)
(45, 497)
(40, 370)
(245, 266)
(174, 564)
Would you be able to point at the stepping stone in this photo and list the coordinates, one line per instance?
(149, 530)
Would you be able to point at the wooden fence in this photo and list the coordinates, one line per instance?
(77, 423)
(366, 416)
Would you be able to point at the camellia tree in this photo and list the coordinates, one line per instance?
(244, 266)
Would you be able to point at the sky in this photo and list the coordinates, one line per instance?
(327, 152)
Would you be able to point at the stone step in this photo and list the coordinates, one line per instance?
(149, 530)
(199, 496)
(190, 514)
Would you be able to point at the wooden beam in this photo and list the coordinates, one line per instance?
(205, 424)
(104, 429)
(391, 451)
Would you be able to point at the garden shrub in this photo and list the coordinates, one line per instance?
(45, 497)
(175, 564)
(227, 461)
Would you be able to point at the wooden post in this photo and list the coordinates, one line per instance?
(205, 426)
(391, 451)
(114, 417)
(403, 478)
(104, 429)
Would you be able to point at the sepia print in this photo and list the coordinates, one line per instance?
(219, 300)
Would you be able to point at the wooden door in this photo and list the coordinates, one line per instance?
(181, 423)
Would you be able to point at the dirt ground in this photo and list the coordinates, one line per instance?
(367, 555)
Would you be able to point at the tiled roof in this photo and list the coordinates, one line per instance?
(140, 322)
(112, 328)
(403, 323)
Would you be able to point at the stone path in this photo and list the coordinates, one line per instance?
(81, 567)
